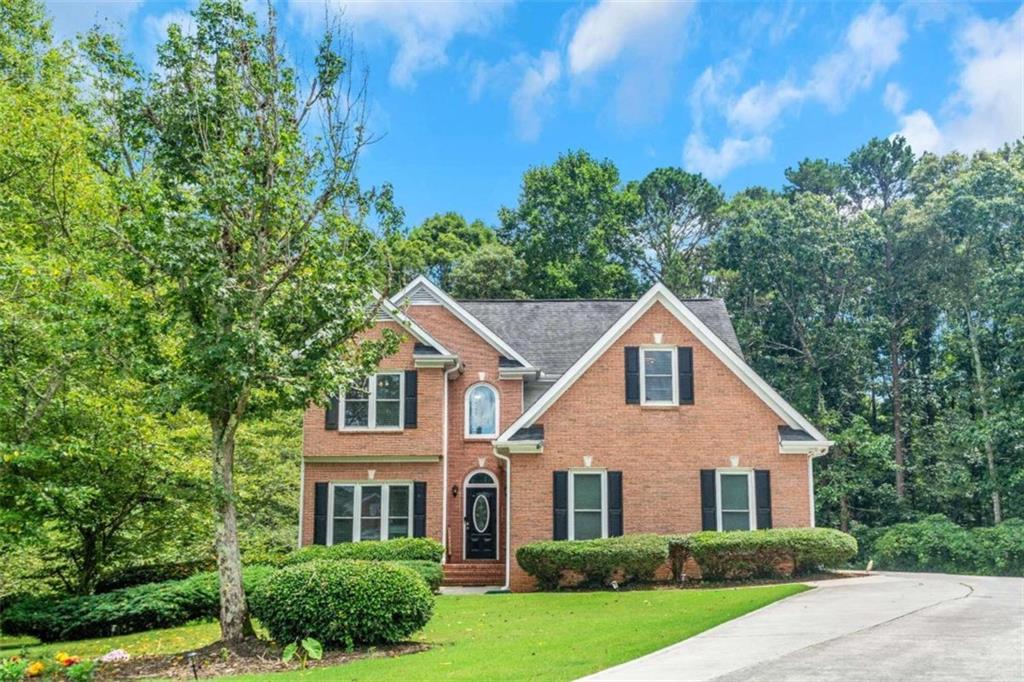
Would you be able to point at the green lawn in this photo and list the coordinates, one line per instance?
(169, 641)
(547, 636)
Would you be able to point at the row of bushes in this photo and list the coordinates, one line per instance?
(175, 602)
(399, 549)
(130, 609)
(719, 556)
(936, 544)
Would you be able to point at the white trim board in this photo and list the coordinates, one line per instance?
(410, 325)
(659, 293)
(462, 314)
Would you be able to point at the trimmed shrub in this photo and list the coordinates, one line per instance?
(627, 558)
(743, 555)
(123, 611)
(144, 574)
(936, 544)
(430, 571)
(399, 549)
(343, 603)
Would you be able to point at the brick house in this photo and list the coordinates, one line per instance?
(498, 423)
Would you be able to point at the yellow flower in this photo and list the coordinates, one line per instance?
(35, 669)
(61, 656)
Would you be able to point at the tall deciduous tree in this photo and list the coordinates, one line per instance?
(442, 240)
(572, 228)
(678, 219)
(242, 215)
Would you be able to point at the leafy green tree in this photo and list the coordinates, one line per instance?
(819, 176)
(678, 220)
(444, 239)
(492, 271)
(247, 225)
(572, 229)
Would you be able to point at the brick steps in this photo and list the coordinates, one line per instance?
(474, 574)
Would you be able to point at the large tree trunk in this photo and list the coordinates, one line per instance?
(981, 393)
(234, 612)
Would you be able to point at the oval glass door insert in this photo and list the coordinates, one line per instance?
(481, 513)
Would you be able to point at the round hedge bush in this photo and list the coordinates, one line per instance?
(343, 603)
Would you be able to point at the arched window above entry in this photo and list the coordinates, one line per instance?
(481, 478)
(481, 411)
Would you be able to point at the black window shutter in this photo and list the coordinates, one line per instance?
(419, 509)
(632, 375)
(614, 503)
(319, 513)
(331, 414)
(410, 398)
(561, 505)
(685, 375)
(763, 495)
(708, 504)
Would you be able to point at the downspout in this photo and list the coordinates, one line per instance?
(444, 458)
(508, 518)
(302, 495)
(810, 485)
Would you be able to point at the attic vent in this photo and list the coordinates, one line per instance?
(383, 315)
(422, 296)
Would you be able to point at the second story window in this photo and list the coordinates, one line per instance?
(658, 384)
(481, 411)
(376, 403)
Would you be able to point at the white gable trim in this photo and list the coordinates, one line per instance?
(410, 325)
(462, 314)
(659, 293)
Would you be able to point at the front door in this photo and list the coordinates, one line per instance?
(481, 523)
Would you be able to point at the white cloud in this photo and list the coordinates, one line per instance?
(871, 46)
(734, 152)
(423, 30)
(607, 29)
(894, 98)
(645, 39)
(534, 94)
(987, 108)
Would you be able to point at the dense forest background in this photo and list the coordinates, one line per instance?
(881, 294)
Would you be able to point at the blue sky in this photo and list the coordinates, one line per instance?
(469, 95)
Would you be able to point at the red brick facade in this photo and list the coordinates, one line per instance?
(660, 451)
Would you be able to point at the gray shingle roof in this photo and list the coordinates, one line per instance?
(553, 334)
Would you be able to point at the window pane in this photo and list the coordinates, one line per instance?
(387, 413)
(357, 413)
(481, 478)
(389, 385)
(360, 390)
(735, 520)
(398, 528)
(481, 410)
(369, 529)
(658, 389)
(370, 503)
(658, 362)
(343, 504)
(398, 500)
(342, 530)
(735, 491)
(587, 525)
(586, 491)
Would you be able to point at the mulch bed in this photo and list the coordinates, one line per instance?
(253, 656)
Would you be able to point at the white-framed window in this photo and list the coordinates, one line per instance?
(588, 504)
(369, 511)
(482, 412)
(734, 490)
(659, 376)
(375, 403)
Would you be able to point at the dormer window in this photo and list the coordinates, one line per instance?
(481, 411)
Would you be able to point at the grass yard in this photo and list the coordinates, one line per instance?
(549, 636)
(169, 641)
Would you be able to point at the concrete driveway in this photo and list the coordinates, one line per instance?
(888, 626)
